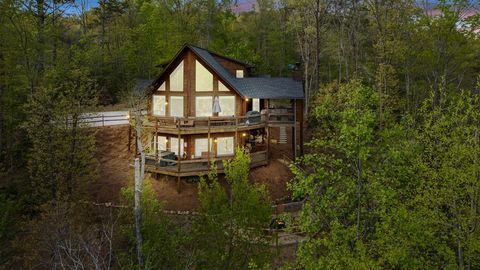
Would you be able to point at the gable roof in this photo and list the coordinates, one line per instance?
(251, 87)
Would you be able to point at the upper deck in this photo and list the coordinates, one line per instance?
(219, 124)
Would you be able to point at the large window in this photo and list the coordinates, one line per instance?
(225, 146)
(176, 106)
(256, 104)
(160, 142)
(176, 79)
(162, 87)
(222, 87)
(158, 106)
(174, 146)
(203, 106)
(227, 105)
(201, 147)
(203, 78)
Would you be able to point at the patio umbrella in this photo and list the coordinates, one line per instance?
(216, 105)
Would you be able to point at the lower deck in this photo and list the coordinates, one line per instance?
(195, 167)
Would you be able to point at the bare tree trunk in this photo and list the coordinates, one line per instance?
(73, 150)
(359, 194)
(139, 174)
(317, 46)
(40, 63)
(138, 211)
(2, 106)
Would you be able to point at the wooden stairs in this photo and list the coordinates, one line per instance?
(283, 135)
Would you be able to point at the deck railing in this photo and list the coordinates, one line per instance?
(196, 166)
(222, 122)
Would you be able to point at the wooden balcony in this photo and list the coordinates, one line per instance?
(182, 168)
(218, 124)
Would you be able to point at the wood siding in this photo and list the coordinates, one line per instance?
(190, 92)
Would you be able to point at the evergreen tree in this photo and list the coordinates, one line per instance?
(61, 161)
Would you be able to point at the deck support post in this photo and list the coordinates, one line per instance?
(267, 130)
(208, 142)
(179, 164)
(155, 139)
(236, 133)
(294, 130)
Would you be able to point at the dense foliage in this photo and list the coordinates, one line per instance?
(225, 233)
(391, 193)
(230, 229)
(391, 177)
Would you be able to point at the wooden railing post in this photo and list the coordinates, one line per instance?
(103, 120)
(208, 141)
(236, 131)
(155, 139)
(267, 130)
(294, 139)
(179, 164)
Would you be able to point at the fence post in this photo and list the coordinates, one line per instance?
(103, 120)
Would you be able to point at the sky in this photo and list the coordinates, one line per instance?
(243, 5)
(247, 5)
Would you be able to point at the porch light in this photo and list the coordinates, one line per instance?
(215, 140)
(244, 134)
(166, 102)
(246, 99)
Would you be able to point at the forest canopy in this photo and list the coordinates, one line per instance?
(391, 178)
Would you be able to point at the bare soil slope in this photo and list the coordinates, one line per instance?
(115, 172)
(114, 163)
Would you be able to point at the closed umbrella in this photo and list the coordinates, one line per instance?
(216, 105)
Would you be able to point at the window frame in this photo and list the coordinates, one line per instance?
(232, 146)
(222, 113)
(197, 98)
(178, 71)
(175, 149)
(201, 88)
(171, 106)
(164, 105)
(196, 147)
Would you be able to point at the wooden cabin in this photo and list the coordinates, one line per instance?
(204, 105)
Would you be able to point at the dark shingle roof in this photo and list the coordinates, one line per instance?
(143, 85)
(254, 87)
(251, 87)
(273, 88)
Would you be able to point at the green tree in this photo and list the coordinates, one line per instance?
(229, 228)
(166, 242)
(337, 214)
(61, 161)
(447, 200)
(402, 195)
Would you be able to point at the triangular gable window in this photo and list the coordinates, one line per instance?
(203, 78)
(176, 79)
(162, 87)
(222, 87)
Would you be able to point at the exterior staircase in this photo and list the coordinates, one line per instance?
(283, 135)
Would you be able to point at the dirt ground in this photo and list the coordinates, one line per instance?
(113, 163)
(115, 172)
